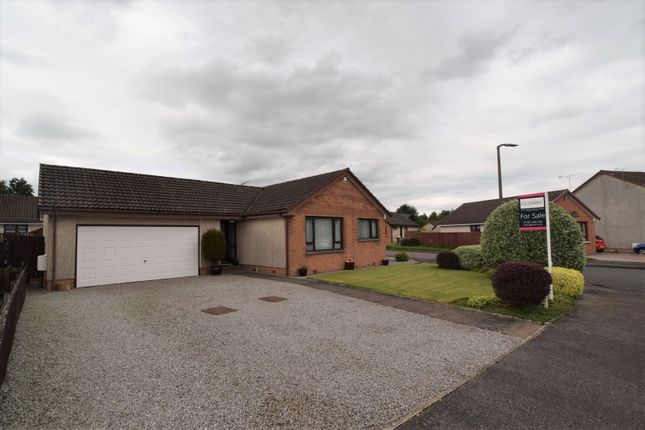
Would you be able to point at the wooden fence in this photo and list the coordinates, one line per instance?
(9, 313)
(19, 250)
(449, 240)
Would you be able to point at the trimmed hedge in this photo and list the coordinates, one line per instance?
(479, 302)
(521, 283)
(568, 281)
(213, 245)
(448, 260)
(412, 241)
(501, 240)
(470, 257)
(401, 256)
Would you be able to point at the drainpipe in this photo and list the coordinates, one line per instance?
(286, 245)
(53, 287)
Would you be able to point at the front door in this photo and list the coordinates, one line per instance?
(230, 235)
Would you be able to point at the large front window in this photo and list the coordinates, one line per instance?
(324, 234)
(367, 229)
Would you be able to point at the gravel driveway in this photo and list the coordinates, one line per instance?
(144, 355)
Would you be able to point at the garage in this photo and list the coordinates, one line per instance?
(116, 254)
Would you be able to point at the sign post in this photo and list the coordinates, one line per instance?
(534, 215)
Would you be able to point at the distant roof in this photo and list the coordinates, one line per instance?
(637, 178)
(96, 190)
(18, 209)
(400, 220)
(477, 212)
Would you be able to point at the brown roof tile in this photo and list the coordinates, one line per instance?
(400, 219)
(17, 208)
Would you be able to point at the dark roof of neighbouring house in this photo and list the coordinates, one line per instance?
(92, 189)
(396, 219)
(18, 209)
(637, 178)
(476, 212)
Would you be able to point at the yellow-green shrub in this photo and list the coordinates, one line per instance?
(479, 302)
(568, 281)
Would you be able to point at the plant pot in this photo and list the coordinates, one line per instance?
(216, 270)
(302, 271)
(349, 265)
(386, 261)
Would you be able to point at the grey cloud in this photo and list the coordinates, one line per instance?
(270, 50)
(21, 58)
(476, 51)
(298, 106)
(41, 126)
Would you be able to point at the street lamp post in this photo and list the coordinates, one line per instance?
(499, 166)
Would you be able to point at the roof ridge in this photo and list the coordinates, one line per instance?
(346, 169)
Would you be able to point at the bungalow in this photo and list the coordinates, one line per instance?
(105, 227)
(19, 214)
(400, 224)
(619, 197)
(471, 216)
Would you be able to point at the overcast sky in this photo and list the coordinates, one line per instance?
(413, 97)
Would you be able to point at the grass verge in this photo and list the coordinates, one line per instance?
(397, 247)
(559, 307)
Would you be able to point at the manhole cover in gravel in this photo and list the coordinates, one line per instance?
(219, 310)
(272, 299)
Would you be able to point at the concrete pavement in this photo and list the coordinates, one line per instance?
(586, 371)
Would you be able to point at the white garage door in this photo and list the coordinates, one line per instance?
(111, 255)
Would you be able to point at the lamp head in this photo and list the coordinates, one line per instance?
(509, 144)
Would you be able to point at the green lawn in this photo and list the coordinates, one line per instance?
(423, 281)
(429, 282)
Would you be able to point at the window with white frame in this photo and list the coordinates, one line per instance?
(324, 233)
(367, 229)
(15, 228)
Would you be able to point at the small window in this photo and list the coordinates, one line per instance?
(583, 229)
(323, 234)
(367, 229)
(476, 227)
(15, 228)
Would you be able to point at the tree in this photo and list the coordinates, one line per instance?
(423, 219)
(434, 216)
(17, 186)
(409, 210)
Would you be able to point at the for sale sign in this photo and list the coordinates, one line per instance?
(533, 212)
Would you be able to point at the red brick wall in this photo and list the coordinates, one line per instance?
(340, 199)
(570, 205)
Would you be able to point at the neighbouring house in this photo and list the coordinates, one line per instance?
(471, 216)
(19, 214)
(619, 199)
(400, 224)
(105, 227)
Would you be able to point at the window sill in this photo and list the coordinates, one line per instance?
(369, 240)
(328, 251)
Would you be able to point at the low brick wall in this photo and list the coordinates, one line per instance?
(9, 314)
(451, 240)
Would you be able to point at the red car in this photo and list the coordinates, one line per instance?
(600, 244)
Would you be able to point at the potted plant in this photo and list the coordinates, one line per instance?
(302, 271)
(386, 261)
(349, 265)
(214, 249)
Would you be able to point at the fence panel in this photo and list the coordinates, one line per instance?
(9, 313)
(21, 250)
(451, 240)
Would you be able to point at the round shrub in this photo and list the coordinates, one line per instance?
(501, 240)
(412, 241)
(568, 281)
(470, 256)
(521, 283)
(448, 260)
(401, 256)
